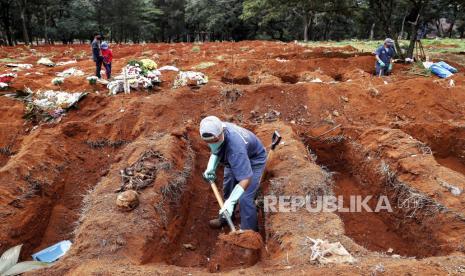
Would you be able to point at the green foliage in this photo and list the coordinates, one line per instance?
(195, 49)
(135, 62)
(124, 21)
(419, 70)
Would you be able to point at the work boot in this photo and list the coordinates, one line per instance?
(218, 223)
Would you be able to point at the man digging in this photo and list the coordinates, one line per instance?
(244, 159)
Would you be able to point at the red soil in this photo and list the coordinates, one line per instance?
(58, 180)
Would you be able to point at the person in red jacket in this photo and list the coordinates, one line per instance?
(107, 58)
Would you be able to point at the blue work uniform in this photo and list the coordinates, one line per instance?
(385, 54)
(243, 156)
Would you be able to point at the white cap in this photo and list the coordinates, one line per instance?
(211, 128)
(389, 41)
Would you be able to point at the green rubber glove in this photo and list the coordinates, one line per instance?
(381, 63)
(232, 200)
(210, 173)
(390, 67)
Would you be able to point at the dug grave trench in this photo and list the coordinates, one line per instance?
(407, 230)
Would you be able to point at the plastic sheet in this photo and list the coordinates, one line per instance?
(440, 71)
(52, 253)
(184, 78)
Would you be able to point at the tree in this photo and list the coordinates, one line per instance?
(417, 9)
(5, 7)
(22, 11)
(266, 21)
(215, 19)
(185, 20)
(309, 13)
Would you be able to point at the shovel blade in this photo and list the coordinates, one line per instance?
(275, 139)
(228, 219)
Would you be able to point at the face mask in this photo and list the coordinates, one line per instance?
(215, 147)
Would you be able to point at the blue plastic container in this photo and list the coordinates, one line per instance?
(52, 253)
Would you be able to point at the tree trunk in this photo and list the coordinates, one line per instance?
(9, 34)
(401, 35)
(413, 38)
(45, 24)
(451, 28)
(23, 6)
(325, 32)
(452, 24)
(306, 25)
(414, 30)
(305, 32)
(5, 9)
(372, 31)
(439, 27)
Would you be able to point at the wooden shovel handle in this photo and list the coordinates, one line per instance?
(217, 194)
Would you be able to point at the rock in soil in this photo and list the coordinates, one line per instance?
(128, 200)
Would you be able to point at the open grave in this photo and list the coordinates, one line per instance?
(427, 218)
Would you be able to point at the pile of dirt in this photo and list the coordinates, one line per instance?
(236, 250)
(441, 46)
(245, 239)
(264, 78)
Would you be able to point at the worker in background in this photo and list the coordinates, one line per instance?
(97, 54)
(244, 158)
(384, 55)
(107, 56)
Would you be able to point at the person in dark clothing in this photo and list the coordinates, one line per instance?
(97, 54)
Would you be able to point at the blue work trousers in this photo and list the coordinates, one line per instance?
(248, 209)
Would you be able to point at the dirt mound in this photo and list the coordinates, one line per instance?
(236, 250)
(245, 239)
(265, 78)
(441, 46)
(314, 77)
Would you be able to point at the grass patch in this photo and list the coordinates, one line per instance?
(418, 69)
(195, 49)
(450, 45)
(8, 60)
(204, 65)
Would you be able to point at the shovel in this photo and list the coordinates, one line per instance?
(275, 140)
(221, 203)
